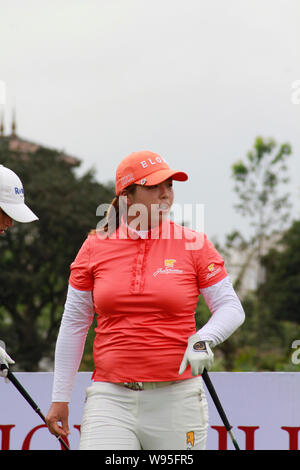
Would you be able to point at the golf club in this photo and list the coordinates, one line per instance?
(28, 398)
(219, 407)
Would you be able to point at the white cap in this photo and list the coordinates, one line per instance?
(12, 199)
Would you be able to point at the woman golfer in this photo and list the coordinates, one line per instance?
(142, 275)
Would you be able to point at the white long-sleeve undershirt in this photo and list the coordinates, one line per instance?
(227, 312)
(76, 321)
(227, 316)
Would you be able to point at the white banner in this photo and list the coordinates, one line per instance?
(263, 409)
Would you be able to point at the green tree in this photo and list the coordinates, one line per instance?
(35, 257)
(260, 185)
(259, 182)
(281, 288)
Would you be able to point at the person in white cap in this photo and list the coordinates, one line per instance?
(12, 207)
(12, 200)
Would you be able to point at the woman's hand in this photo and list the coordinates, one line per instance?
(5, 360)
(198, 355)
(58, 413)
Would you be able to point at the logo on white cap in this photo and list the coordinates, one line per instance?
(12, 199)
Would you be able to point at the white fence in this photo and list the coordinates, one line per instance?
(262, 407)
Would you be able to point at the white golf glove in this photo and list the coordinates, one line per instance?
(198, 354)
(6, 360)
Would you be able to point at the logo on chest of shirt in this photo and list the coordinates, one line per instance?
(168, 268)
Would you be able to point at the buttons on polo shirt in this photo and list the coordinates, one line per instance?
(137, 281)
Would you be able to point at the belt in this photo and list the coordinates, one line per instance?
(140, 386)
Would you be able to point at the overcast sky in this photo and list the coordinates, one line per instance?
(195, 81)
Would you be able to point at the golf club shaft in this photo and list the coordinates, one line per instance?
(29, 400)
(219, 407)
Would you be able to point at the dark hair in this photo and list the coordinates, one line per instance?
(113, 212)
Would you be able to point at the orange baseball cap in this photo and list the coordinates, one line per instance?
(145, 168)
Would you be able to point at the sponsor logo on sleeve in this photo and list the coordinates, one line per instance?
(213, 270)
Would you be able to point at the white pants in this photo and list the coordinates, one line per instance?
(169, 417)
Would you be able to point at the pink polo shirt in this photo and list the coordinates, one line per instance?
(145, 293)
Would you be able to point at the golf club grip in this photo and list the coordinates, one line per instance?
(31, 402)
(216, 400)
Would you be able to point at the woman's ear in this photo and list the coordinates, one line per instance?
(126, 197)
